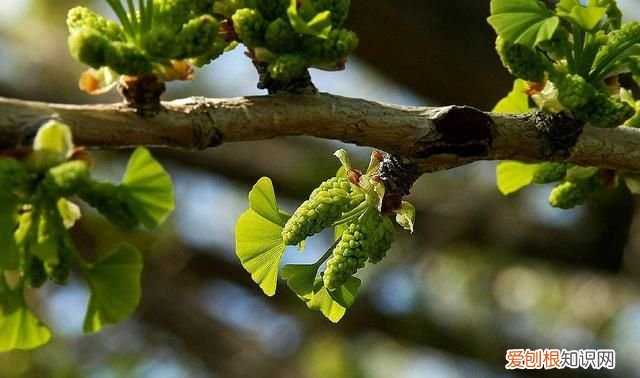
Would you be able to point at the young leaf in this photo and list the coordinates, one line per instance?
(346, 294)
(300, 279)
(527, 22)
(322, 301)
(333, 305)
(148, 189)
(69, 212)
(115, 287)
(19, 327)
(406, 215)
(586, 18)
(516, 101)
(8, 247)
(259, 244)
(319, 26)
(262, 200)
(514, 175)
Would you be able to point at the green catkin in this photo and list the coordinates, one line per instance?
(80, 17)
(287, 67)
(110, 201)
(280, 36)
(325, 205)
(521, 61)
(571, 193)
(349, 255)
(574, 91)
(89, 46)
(272, 9)
(550, 172)
(335, 49)
(366, 239)
(128, 59)
(383, 238)
(196, 37)
(604, 111)
(250, 26)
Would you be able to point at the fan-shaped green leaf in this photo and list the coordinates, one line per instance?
(514, 175)
(19, 327)
(115, 287)
(148, 189)
(527, 22)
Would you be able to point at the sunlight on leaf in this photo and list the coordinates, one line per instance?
(514, 175)
(527, 22)
(148, 189)
(259, 244)
(585, 17)
(19, 327)
(516, 101)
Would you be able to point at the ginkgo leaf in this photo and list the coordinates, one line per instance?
(115, 287)
(406, 216)
(346, 294)
(514, 175)
(262, 200)
(19, 327)
(331, 308)
(527, 22)
(259, 244)
(300, 279)
(585, 17)
(516, 101)
(322, 301)
(148, 189)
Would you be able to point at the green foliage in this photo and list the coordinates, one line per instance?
(291, 36)
(325, 205)
(522, 61)
(516, 101)
(526, 22)
(149, 39)
(575, 54)
(34, 222)
(114, 282)
(362, 233)
(19, 327)
(259, 245)
(580, 185)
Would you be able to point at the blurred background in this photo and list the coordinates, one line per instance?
(481, 274)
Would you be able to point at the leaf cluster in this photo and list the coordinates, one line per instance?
(361, 233)
(567, 59)
(36, 191)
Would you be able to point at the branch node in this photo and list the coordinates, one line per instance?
(298, 86)
(142, 93)
(398, 174)
(558, 133)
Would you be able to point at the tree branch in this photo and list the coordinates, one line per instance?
(426, 138)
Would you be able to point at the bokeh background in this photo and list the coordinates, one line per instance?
(481, 273)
